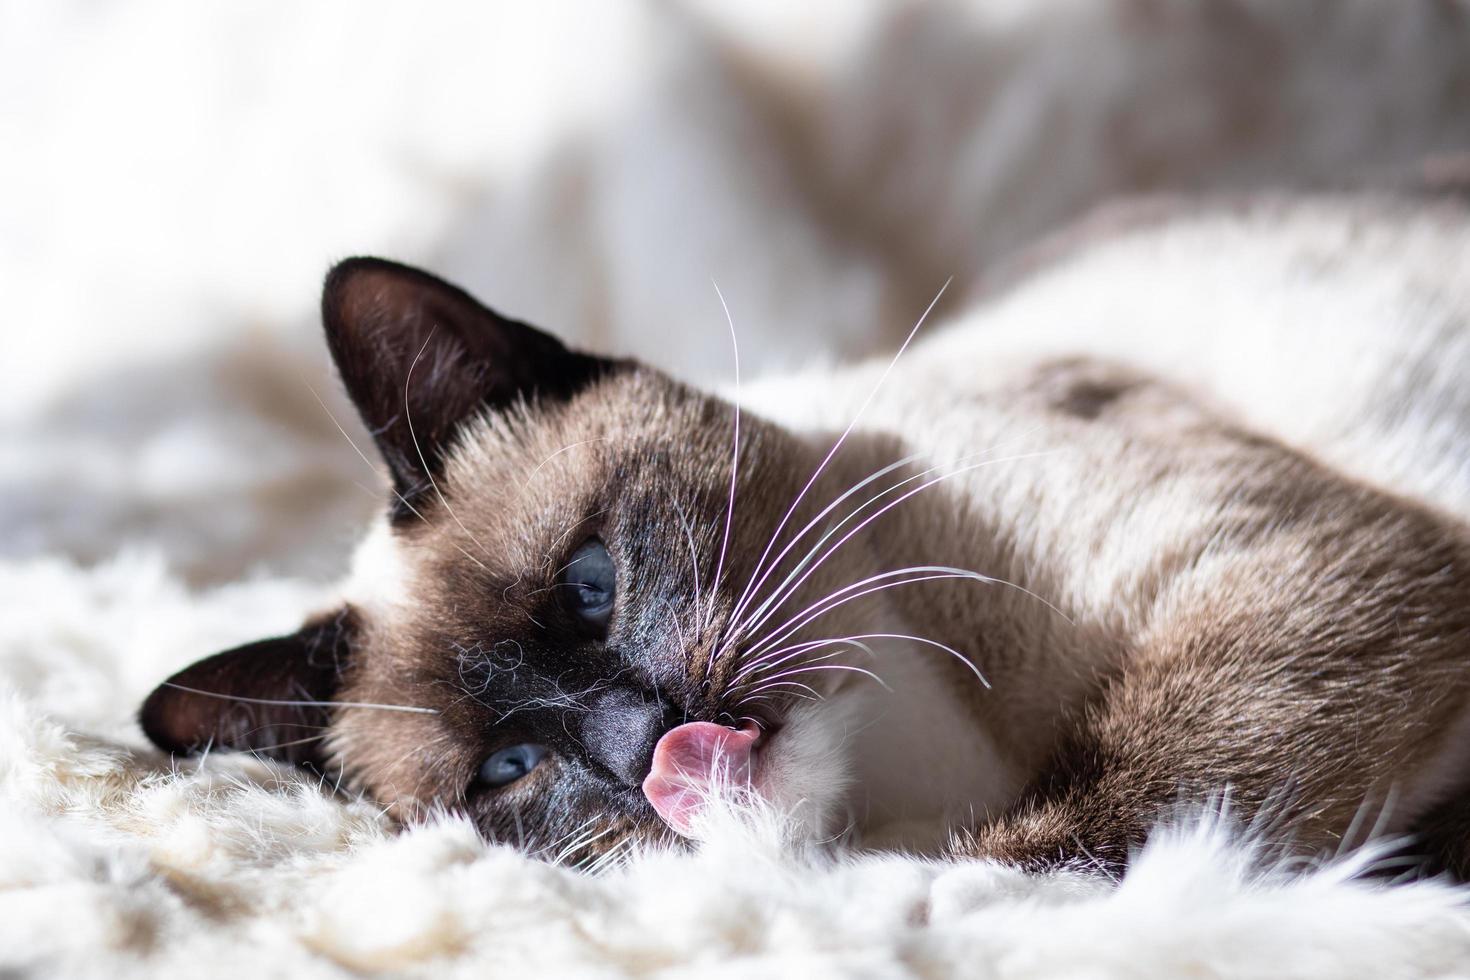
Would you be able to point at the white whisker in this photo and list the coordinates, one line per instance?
(781, 597)
(804, 690)
(678, 630)
(372, 466)
(891, 636)
(611, 857)
(570, 446)
(781, 591)
(734, 457)
(776, 562)
(838, 444)
(804, 668)
(305, 704)
(257, 749)
(832, 601)
(693, 561)
(408, 420)
(583, 828)
(778, 657)
(578, 844)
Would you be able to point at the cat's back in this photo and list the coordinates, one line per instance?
(1339, 325)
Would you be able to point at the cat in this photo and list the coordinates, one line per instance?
(1174, 511)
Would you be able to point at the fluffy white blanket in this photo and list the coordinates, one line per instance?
(175, 179)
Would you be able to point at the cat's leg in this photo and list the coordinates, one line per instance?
(1311, 693)
(1441, 839)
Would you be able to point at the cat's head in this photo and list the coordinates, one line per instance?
(556, 586)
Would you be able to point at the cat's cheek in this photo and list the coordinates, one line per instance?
(805, 772)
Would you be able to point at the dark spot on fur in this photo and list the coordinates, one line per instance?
(1087, 399)
(1080, 388)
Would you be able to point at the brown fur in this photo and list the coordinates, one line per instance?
(1309, 657)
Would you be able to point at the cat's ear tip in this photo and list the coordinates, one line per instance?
(366, 295)
(347, 268)
(173, 721)
(152, 718)
(351, 277)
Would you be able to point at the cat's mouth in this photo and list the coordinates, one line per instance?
(698, 762)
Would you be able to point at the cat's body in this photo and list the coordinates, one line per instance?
(1203, 538)
(1202, 450)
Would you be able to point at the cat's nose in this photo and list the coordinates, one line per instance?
(622, 729)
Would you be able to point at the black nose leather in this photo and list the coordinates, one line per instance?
(621, 730)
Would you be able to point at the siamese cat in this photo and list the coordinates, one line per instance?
(1179, 512)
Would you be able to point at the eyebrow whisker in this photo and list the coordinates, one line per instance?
(408, 420)
(303, 704)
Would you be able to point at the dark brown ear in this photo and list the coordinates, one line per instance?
(419, 357)
(271, 697)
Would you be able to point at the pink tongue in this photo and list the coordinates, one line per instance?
(692, 763)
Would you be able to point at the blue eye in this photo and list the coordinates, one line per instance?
(509, 764)
(591, 583)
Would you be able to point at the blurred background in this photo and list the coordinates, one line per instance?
(175, 179)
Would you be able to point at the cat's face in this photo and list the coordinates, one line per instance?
(557, 587)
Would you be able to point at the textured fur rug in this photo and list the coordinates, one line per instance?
(177, 177)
